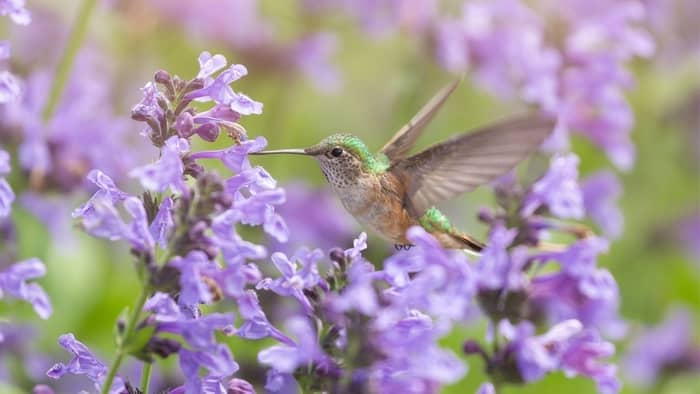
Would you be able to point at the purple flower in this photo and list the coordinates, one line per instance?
(163, 223)
(258, 209)
(193, 288)
(255, 324)
(10, 87)
(107, 193)
(83, 363)
(234, 249)
(168, 171)
(557, 189)
(278, 382)
(16, 11)
(148, 107)
(566, 346)
(4, 162)
(600, 191)
(295, 277)
(253, 190)
(286, 358)
(7, 196)
(61, 151)
(581, 357)
(101, 218)
(668, 20)
(664, 349)
(218, 90)
(451, 46)
(209, 64)
(312, 55)
(486, 388)
(198, 332)
(138, 234)
(499, 269)
(13, 281)
(431, 279)
(4, 50)
(240, 386)
(580, 290)
(359, 293)
(236, 157)
(358, 245)
(537, 356)
(217, 360)
(42, 389)
(412, 357)
(597, 107)
(567, 57)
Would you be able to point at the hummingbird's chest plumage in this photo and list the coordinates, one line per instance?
(376, 201)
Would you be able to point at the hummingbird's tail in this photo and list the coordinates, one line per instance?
(469, 243)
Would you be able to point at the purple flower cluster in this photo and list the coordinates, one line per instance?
(383, 326)
(55, 154)
(14, 279)
(183, 234)
(566, 346)
(576, 71)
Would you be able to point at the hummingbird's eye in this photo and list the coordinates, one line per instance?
(336, 152)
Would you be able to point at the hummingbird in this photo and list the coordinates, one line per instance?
(390, 191)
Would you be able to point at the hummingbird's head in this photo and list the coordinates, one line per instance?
(343, 158)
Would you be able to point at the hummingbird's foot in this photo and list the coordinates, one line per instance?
(402, 246)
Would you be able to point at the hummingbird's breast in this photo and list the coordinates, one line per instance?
(376, 201)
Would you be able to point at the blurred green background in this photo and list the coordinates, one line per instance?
(385, 81)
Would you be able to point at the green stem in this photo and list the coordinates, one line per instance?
(146, 377)
(66, 63)
(128, 332)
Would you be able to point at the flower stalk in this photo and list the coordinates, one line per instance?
(75, 41)
(124, 340)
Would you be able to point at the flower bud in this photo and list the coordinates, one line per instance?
(162, 77)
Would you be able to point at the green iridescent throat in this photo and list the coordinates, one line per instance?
(434, 221)
(372, 163)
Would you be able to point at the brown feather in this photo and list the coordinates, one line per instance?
(403, 140)
(467, 161)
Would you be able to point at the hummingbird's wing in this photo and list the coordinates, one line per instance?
(466, 161)
(403, 140)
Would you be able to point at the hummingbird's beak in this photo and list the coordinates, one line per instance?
(281, 152)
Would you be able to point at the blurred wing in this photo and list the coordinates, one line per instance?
(404, 139)
(466, 161)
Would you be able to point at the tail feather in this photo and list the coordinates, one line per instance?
(469, 242)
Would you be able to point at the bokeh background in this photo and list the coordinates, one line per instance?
(320, 69)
